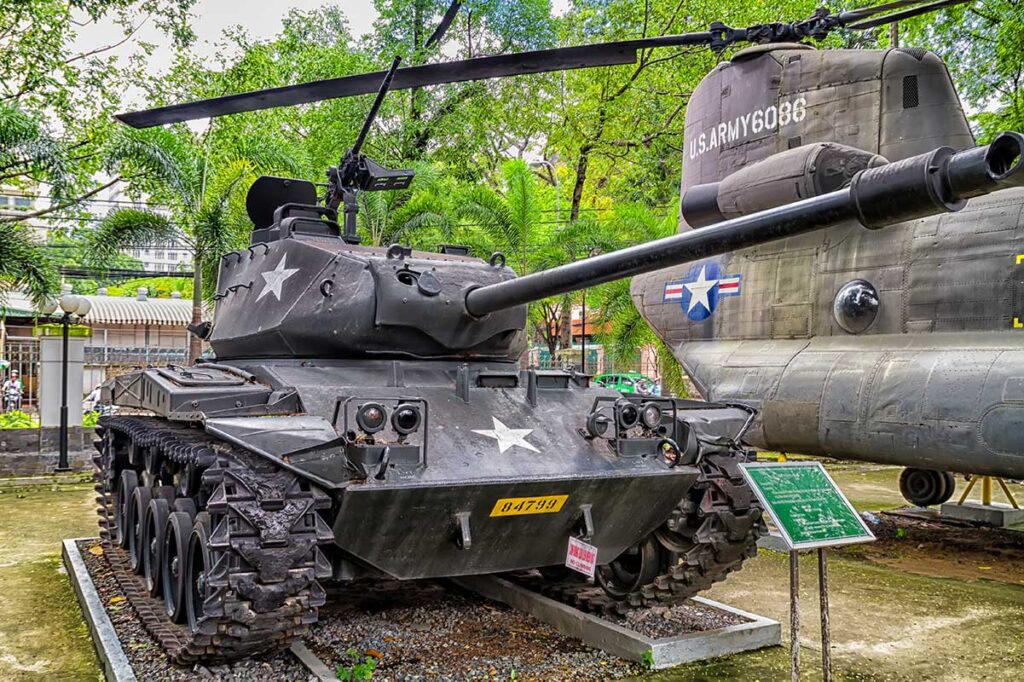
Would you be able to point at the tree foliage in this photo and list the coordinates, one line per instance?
(544, 168)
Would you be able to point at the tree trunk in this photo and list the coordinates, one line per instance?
(582, 165)
(195, 344)
(581, 179)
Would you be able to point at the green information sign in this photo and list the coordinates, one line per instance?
(806, 504)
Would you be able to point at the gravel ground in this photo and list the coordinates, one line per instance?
(427, 630)
(437, 631)
(148, 659)
(665, 621)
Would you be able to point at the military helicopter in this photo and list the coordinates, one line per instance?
(901, 347)
(366, 417)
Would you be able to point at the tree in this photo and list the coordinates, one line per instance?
(418, 215)
(47, 86)
(25, 264)
(201, 181)
(467, 127)
(983, 46)
(510, 219)
(627, 332)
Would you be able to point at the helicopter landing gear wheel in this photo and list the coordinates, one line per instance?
(926, 487)
(196, 575)
(172, 567)
(631, 570)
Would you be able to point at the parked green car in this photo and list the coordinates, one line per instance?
(629, 382)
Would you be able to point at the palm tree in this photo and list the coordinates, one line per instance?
(200, 181)
(506, 219)
(24, 264)
(29, 153)
(627, 332)
(417, 214)
(510, 219)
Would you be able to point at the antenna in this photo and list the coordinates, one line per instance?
(375, 107)
(356, 172)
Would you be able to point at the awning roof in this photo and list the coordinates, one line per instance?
(175, 312)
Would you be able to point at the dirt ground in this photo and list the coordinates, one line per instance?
(921, 606)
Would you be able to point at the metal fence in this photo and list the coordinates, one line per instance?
(596, 361)
(105, 355)
(23, 354)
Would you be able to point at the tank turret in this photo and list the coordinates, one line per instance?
(307, 292)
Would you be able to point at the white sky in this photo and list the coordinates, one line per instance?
(261, 18)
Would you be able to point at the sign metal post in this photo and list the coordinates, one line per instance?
(794, 615)
(811, 513)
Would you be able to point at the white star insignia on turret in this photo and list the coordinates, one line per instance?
(275, 279)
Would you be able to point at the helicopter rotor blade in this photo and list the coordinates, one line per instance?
(446, 21)
(905, 14)
(479, 68)
(865, 12)
(717, 38)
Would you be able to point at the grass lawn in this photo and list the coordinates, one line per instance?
(888, 623)
(42, 634)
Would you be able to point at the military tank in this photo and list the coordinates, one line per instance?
(366, 418)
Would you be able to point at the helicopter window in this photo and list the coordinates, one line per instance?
(855, 306)
(910, 94)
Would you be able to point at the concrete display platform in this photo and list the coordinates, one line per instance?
(754, 633)
(757, 633)
(116, 667)
(996, 515)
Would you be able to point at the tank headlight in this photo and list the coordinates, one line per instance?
(406, 419)
(650, 415)
(626, 414)
(371, 417)
(597, 424)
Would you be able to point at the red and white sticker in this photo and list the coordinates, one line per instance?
(581, 557)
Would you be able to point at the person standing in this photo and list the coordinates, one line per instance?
(12, 391)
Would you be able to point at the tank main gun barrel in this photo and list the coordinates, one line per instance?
(941, 180)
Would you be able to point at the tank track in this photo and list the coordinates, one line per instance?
(709, 535)
(264, 527)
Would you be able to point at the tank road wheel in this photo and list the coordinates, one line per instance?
(172, 568)
(631, 570)
(136, 524)
(153, 543)
(238, 560)
(196, 583)
(926, 487)
(126, 485)
(712, 532)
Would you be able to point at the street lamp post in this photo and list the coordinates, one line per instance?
(70, 305)
(583, 327)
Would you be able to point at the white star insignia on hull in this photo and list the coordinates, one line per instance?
(507, 437)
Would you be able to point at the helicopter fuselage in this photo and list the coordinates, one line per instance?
(927, 368)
